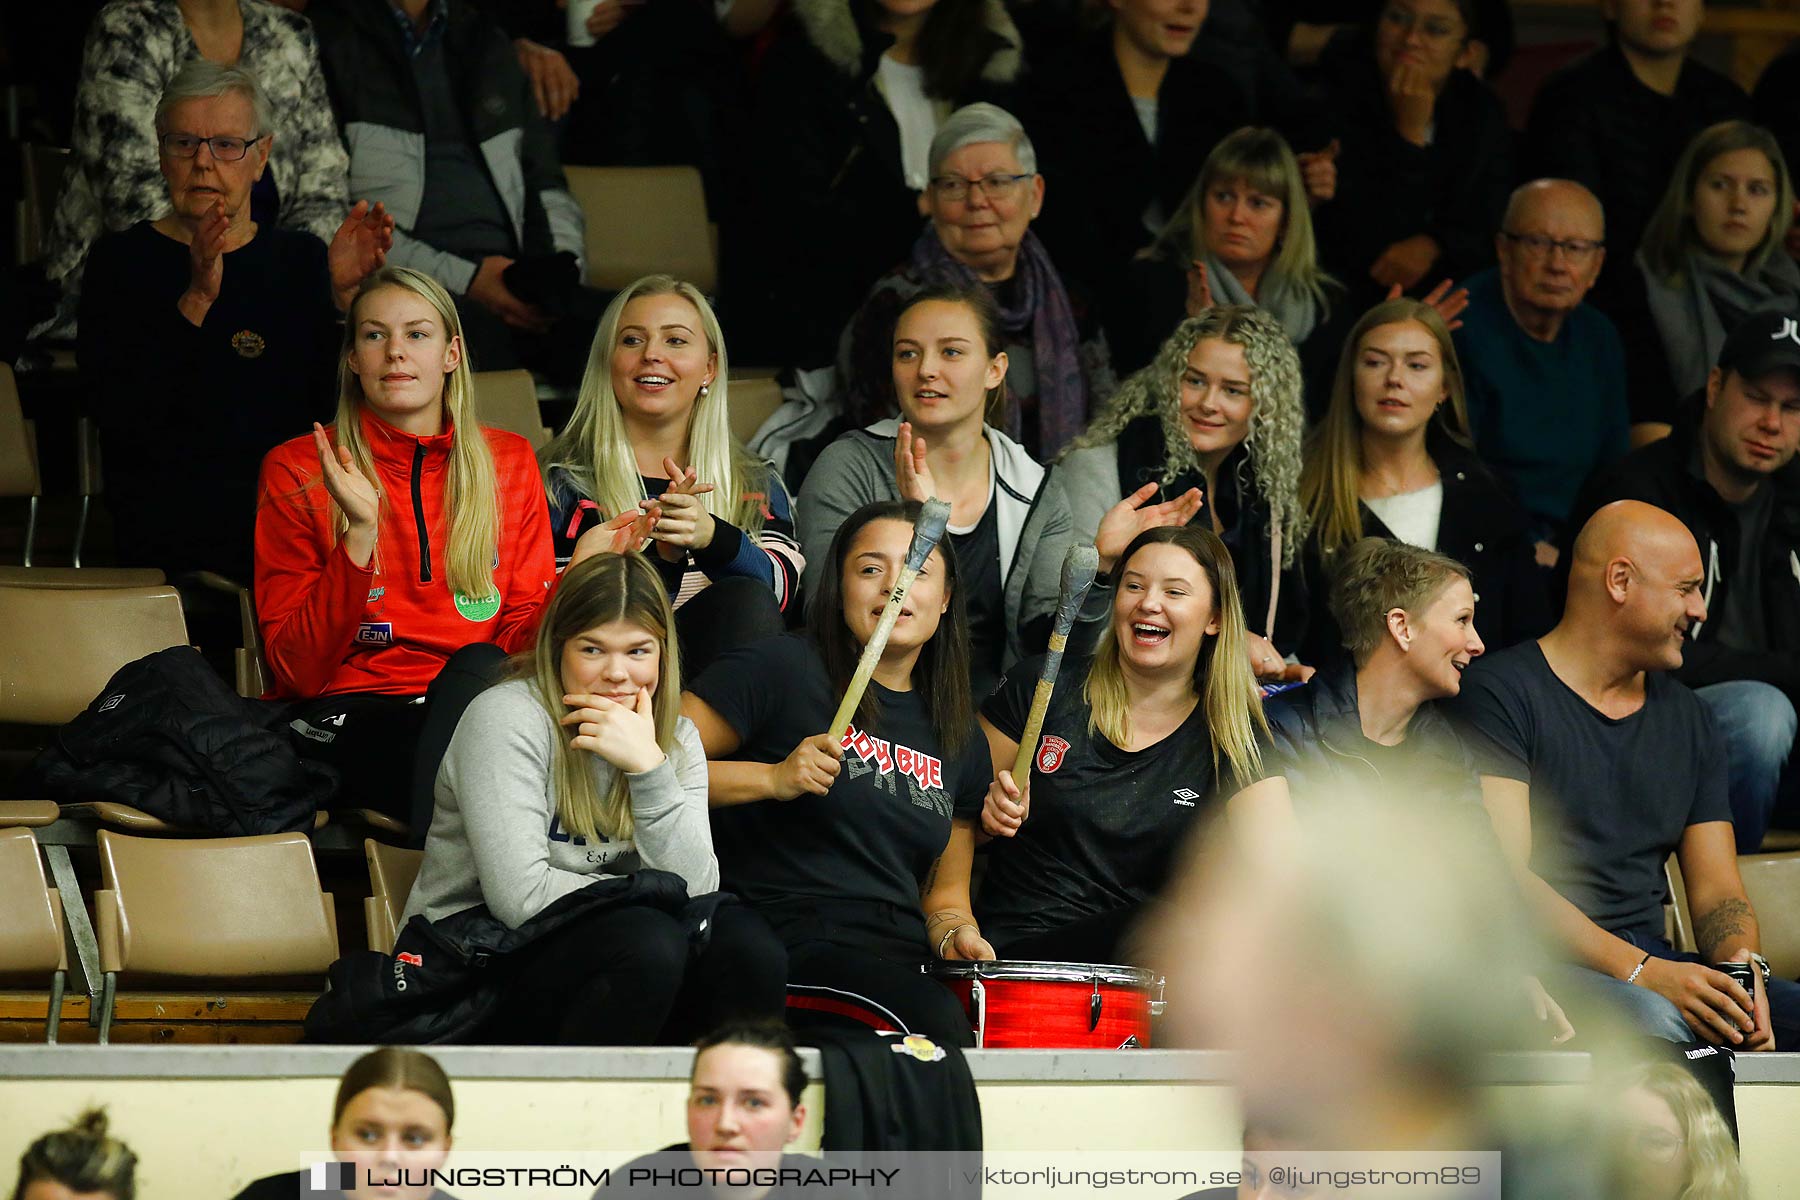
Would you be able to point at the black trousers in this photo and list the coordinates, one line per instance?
(725, 614)
(387, 748)
(863, 965)
(629, 977)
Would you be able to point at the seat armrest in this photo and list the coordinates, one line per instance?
(109, 931)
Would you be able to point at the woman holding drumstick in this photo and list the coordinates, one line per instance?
(846, 845)
(1009, 520)
(1137, 741)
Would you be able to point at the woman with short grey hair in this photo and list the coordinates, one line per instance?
(134, 48)
(984, 191)
(207, 338)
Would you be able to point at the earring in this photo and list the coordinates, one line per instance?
(705, 390)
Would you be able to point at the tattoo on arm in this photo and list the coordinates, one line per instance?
(1728, 919)
(930, 881)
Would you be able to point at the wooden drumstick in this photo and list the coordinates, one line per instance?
(928, 531)
(1080, 565)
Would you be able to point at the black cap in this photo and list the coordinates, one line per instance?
(1763, 342)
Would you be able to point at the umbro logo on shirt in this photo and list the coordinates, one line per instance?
(1186, 798)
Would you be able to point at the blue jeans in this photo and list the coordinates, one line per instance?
(1651, 1013)
(1758, 723)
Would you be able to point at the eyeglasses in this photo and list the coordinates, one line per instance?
(225, 149)
(1539, 246)
(1436, 29)
(955, 188)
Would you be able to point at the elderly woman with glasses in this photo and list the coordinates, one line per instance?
(983, 195)
(134, 48)
(207, 337)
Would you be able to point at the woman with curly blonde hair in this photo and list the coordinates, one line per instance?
(1217, 412)
(1674, 1143)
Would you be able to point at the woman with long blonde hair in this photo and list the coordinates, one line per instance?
(648, 459)
(581, 767)
(400, 554)
(1673, 1144)
(1138, 741)
(1392, 458)
(1216, 417)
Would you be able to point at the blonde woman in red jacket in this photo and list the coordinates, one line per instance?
(397, 560)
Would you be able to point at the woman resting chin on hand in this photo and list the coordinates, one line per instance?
(578, 768)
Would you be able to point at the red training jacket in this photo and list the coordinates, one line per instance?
(329, 626)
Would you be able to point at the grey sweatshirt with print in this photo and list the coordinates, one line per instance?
(494, 835)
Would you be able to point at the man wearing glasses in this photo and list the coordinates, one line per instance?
(1543, 372)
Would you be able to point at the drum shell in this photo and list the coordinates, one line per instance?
(1053, 1006)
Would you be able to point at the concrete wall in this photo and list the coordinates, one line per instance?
(205, 1121)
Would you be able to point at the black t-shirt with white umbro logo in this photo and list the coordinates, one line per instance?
(1104, 823)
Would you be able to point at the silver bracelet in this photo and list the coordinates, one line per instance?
(948, 934)
(1631, 978)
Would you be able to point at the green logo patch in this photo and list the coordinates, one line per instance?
(481, 609)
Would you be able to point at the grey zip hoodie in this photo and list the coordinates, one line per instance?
(1032, 516)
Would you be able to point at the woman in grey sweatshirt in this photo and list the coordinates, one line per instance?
(577, 769)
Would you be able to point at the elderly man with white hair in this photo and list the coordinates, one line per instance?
(1544, 372)
(984, 192)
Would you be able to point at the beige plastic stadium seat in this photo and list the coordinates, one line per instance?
(644, 221)
(508, 400)
(244, 911)
(1772, 881)
(752, 402)
(31, 924)
(81, 577)
(371, 818)
(59, 646)
(18, 457)
(27, 814)
(391, 874)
